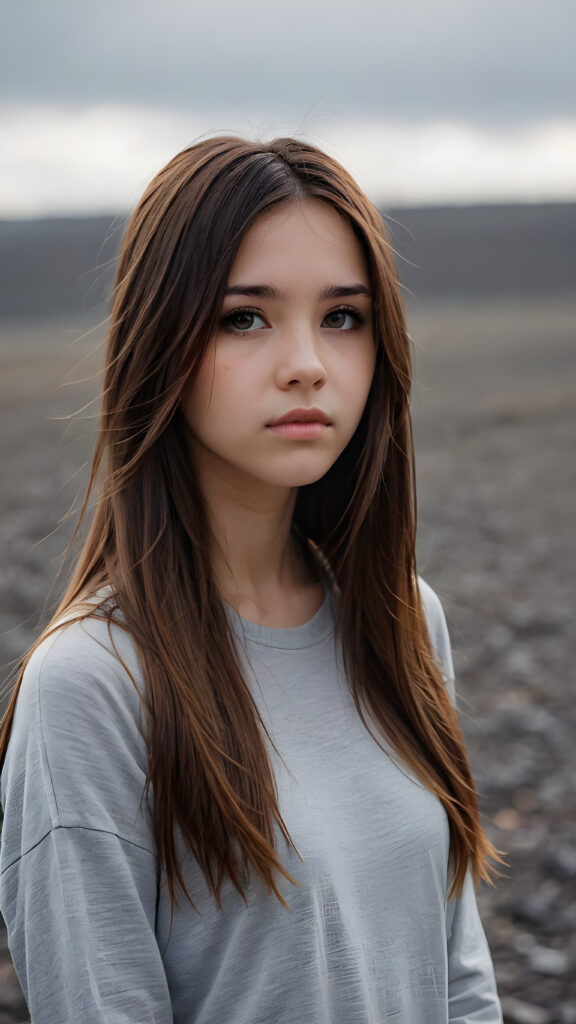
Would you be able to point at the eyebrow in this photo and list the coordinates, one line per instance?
(266, 291)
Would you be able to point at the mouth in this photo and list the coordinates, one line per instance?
(302, 416)
(301, 424)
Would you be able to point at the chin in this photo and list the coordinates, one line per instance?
(300, 479)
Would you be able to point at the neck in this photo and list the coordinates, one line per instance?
(257, 561)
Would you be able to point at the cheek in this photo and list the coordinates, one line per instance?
(196, 404)
(359, 374)
(216, 393)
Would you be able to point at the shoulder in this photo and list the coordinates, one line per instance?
(432, 605)
(77, 755)
(437, 629)
(84, 681)
(87, 660)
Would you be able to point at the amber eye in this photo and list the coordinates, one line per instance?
(343, 319)
(337, 318)
(243, 320)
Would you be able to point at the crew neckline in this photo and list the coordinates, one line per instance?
(314, 631)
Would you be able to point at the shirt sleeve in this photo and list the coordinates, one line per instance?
(78, 871)
(472, 996)
(80, 915)
(472, 991)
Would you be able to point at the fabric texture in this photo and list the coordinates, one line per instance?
(369, 936)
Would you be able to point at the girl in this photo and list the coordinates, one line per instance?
(234, 785)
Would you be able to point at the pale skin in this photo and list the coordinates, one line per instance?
(295, 340)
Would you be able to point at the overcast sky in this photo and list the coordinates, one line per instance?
(424, 100)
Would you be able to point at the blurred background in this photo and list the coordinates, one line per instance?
(459, 121)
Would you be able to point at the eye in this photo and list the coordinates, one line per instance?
(242, 321)
(345, 318)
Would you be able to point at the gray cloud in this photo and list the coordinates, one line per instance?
(480, 60)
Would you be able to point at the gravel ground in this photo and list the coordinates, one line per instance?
(494, 413)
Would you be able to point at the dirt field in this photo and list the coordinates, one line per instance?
(495, 430)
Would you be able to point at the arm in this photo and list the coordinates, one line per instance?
(472, 997)
(472, 993)
(79, 909)
(79, 876)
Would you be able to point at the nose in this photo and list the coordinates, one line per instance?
(299, 361)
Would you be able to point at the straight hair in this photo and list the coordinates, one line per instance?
(149, 542)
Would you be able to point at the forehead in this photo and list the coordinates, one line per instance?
(299, 239)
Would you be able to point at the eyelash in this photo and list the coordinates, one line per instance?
(227, 319)
(360, 319)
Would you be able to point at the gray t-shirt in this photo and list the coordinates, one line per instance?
(369, 936)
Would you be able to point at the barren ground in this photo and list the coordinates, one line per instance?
(495, 431)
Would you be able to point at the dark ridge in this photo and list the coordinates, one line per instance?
(58, 266)
(476, 251)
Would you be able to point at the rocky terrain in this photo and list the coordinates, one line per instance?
(495, 420)
(497, 475)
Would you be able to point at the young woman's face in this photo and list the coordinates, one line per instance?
(287, 374)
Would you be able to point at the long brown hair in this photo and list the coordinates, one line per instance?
(149, 540)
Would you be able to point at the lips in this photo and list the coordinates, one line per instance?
(302, 416)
